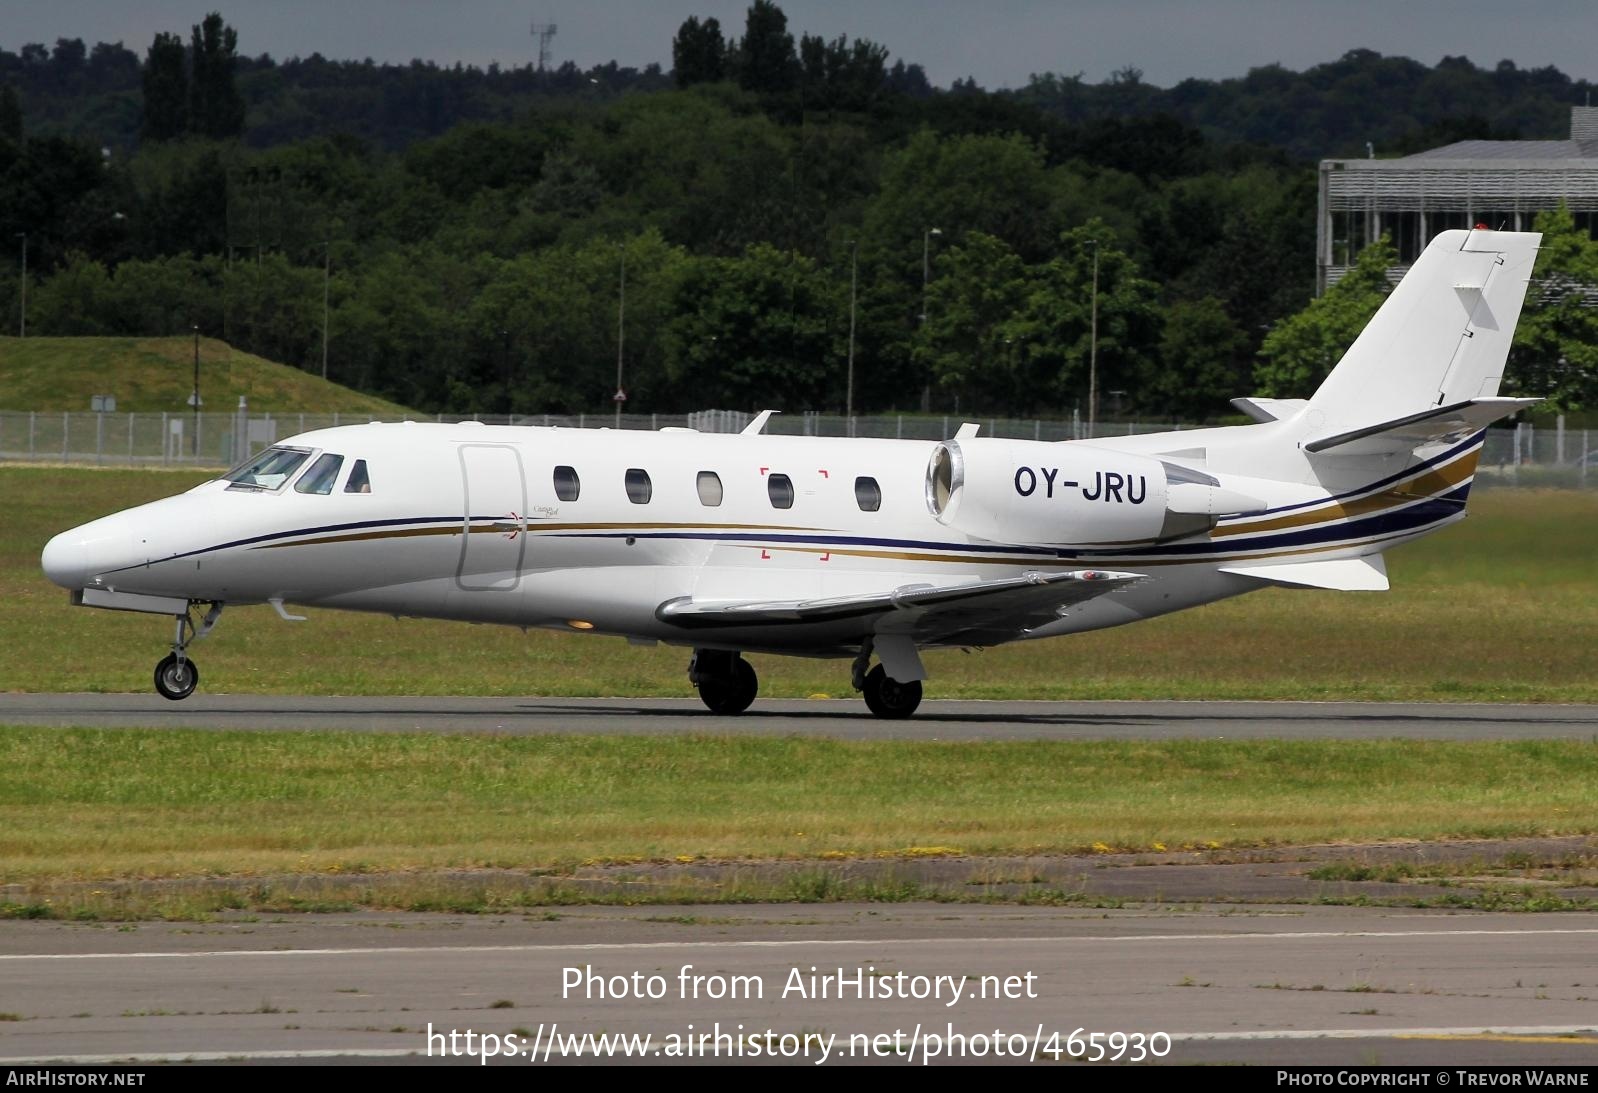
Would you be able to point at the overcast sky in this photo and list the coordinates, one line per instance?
(999, 42)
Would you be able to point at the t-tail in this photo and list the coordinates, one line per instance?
(1427, 368)
(1394, 433)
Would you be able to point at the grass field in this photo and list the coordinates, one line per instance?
(93, 804)
(154, 374)
(1501, 608)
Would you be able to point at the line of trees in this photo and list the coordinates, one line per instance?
(480, 269)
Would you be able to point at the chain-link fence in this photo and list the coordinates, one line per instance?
(1523, 455)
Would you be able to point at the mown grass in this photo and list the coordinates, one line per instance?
(154, 374)
(87, 804)
(1501, 608)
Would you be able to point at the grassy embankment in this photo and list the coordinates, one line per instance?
(154, 374)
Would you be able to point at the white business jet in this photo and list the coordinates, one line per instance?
(825, 547)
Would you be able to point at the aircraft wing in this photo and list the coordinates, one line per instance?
(979, 612)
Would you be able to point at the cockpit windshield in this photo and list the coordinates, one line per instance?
(267, 471)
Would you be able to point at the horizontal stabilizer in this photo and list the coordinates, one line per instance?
(1263, 409)
(1441, 424)
(1368, 574)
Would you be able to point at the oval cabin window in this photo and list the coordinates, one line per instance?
(639, 487)
(867, 494)
(779, 487)
(709, 484)
(567, 484)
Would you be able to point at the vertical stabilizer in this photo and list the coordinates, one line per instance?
(1442, 336)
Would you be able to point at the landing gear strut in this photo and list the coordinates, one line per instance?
(885, 696)
(727, 684)
(177, 676)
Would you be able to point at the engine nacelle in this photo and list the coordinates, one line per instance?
(1070, 494)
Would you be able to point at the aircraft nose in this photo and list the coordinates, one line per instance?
(75, 558)
(66, 560)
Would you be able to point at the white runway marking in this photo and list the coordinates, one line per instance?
(1177, 1037)
(1096, 939)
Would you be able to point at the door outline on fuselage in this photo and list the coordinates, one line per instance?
(503, 545)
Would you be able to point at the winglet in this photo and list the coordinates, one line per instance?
(758, 426)
(967, 430)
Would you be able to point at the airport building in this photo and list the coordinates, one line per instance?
(1501, 183)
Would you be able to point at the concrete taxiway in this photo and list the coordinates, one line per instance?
(1326, 985)
(847, 719)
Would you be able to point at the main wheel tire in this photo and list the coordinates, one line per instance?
(176, 680)
(730, 694)
(890, 699)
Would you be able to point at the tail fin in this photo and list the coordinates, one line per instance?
(1439, 340)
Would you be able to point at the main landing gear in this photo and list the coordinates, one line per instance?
(177, 676)
(888, 698)
(885, 696)
(727, 684)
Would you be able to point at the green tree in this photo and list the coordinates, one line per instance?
(1057, 323)
(756, 331)
(1203, 362)
(766, 61)
(75, 300)
(1555, 353)
(698, 53)
(10, 117)
(216, 109)
(1301, 350)
(166, 89)
(970, 343)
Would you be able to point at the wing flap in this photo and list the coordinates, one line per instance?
(932, 613)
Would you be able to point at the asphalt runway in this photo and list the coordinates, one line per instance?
(1307, 985)
(845, 719)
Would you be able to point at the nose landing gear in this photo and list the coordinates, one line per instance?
(177, 676)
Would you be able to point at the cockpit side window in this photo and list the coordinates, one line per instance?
(268, 470)
(359, 481)
(321, 476)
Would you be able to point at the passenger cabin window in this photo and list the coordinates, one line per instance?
(779, 487)
(321, 476)
(267, 471)
(567, 484)
(867, 494)
(359, 481)
(709, 489)
(638, 486)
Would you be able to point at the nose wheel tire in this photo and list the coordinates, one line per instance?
(888, 698)
(730, 693)
(176, 679)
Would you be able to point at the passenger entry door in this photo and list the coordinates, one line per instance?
(495, 533)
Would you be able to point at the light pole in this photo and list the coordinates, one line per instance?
(848, 399)
(926, 267)
(327, 277)
(22, 322)
(194, 399)
(1093, 347)
(621, 332)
